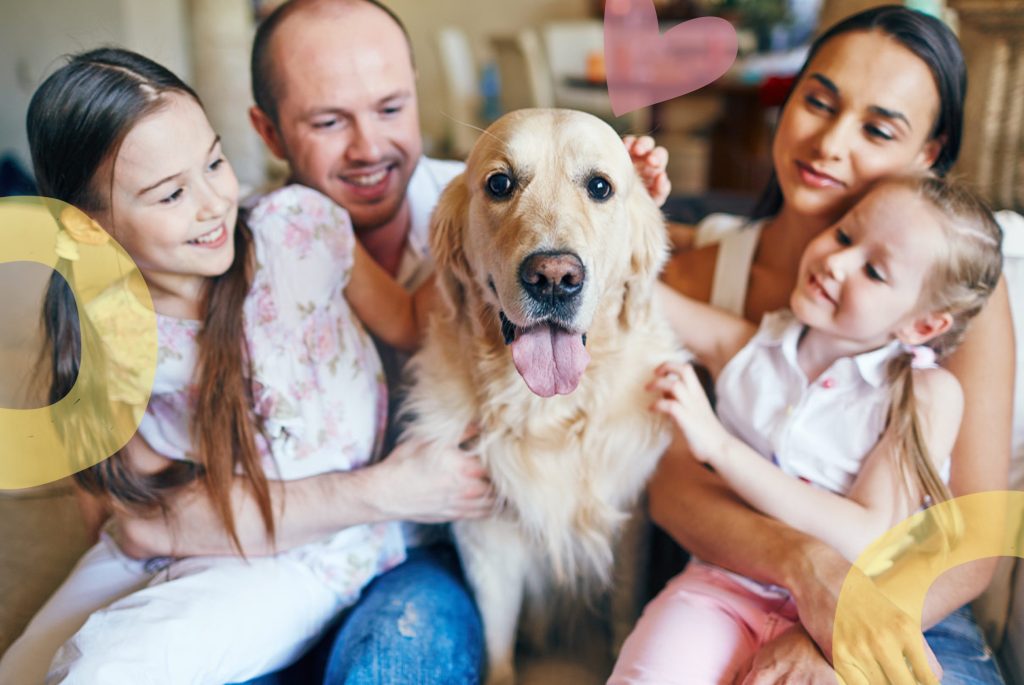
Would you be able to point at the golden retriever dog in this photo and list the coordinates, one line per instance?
(547, 250)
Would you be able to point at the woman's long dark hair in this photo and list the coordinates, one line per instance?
(77, 121)
(934, 43)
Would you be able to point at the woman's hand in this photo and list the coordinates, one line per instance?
(650, 162)
(791, 658)
(874, 641)
(683, 399)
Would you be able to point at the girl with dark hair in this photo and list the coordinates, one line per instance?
(832, 415)
(263, 372)
(881, 94)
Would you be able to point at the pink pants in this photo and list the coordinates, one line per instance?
(700, 629)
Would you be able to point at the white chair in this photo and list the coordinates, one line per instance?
(525, 79)
(462, 93)
(567, 44)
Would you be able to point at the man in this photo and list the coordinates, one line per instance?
(334, 85)
(335, 91)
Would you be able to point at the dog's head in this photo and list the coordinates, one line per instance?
(548, 227)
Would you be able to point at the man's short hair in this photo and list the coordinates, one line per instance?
(265, 88)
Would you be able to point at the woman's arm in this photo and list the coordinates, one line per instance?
(712, 334)
(420, 483)
(394, 315)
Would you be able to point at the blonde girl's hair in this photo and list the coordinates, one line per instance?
(959, 283)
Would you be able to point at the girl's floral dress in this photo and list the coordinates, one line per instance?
(317, 381)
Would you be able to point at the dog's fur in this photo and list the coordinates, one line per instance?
(566, 468)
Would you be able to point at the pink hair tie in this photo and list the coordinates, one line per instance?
(922, 356)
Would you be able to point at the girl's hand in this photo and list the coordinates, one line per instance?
(650, 162)
(683, 399)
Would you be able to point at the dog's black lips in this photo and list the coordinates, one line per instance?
(508, 330)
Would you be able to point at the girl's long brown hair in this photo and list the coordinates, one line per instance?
(76, 123)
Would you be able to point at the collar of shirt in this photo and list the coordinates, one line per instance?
(784, 331)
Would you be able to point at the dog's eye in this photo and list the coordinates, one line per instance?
(500, 185)
(599, 188)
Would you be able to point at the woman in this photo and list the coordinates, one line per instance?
(881, 93)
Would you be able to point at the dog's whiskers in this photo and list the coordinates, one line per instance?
(475, 128)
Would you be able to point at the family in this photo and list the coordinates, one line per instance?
(862, 355)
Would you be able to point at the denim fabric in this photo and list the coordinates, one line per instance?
(961, 649)
(417, 624)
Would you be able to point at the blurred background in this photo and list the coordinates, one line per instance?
(473, 62)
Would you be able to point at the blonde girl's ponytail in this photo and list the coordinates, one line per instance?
(960, 284)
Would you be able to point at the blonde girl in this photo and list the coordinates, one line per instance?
(832, 415)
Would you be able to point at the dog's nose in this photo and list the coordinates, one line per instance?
(552, 277)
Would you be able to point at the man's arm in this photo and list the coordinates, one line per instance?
(420, 483)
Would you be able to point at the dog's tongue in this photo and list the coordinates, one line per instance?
(550, 359)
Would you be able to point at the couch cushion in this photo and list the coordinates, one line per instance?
(42, 537)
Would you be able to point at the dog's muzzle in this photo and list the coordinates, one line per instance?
(554, 282)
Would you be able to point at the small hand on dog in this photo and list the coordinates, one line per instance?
(650, 161)
(682, 398)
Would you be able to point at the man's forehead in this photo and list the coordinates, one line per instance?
(339, 27)
(325, 70)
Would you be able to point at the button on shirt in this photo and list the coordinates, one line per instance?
(818, 431)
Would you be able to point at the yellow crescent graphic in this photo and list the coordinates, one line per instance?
(103, 409)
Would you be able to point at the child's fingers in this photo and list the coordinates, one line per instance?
(643, 145)
(657, 158)
(689, 376)
(670, 408)
(668, 386)
(629, 141)
(666, 368)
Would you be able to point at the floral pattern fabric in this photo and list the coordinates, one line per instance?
(318, 386)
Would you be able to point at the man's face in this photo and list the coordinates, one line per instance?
(348, 122)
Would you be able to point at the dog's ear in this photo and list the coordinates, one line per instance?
(649, 240)
(447, 228)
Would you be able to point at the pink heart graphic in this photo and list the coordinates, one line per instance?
(645, 67)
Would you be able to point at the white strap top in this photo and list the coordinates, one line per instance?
(737, 238)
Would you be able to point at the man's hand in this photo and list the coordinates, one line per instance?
(430, 483)
(650, 162)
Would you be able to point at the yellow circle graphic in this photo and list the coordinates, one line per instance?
(118, 337)
(905, 562)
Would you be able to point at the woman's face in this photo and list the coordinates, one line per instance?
(864, 109)
(174, 199)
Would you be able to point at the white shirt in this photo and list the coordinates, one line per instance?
(428, 180)
(818, 431)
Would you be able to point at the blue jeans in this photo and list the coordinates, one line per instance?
(415, 624)
(961, 649)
